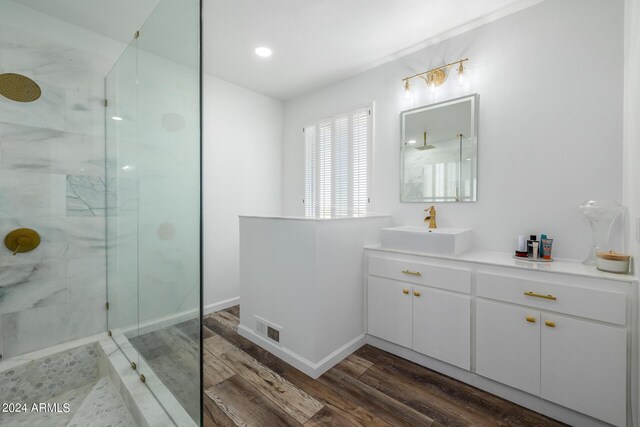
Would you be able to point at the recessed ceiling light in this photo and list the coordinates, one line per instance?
(413, 141)
(263, 52)
(116, 118)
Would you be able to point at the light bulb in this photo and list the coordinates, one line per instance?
(461, 77)
(407, 90)
(433, 87)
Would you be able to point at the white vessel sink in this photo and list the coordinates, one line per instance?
(440, 241)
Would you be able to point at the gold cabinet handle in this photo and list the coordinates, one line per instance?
(416, 293)
(550, 323)
(412, 273)
(533, 294)
(531, 319)
(405, 291)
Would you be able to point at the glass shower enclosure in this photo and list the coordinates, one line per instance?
(153, 206)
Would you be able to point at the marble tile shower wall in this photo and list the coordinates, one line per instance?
(52, 179)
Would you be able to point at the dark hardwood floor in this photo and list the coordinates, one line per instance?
(246, 385)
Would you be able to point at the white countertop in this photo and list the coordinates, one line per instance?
(505, 259)
(313, 218)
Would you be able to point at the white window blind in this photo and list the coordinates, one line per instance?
(437, 178)
(324, 169)
(360, 162)
(341, 169)
(337, 158)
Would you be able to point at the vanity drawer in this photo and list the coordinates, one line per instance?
(452, 279)
(589, 303)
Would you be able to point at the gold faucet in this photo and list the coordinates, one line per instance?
(431, 217)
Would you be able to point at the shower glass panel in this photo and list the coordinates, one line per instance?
(122, 212)
(153, 232)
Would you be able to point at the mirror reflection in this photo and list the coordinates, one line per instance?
(439, 152)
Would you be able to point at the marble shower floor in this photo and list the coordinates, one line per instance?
(96, 404)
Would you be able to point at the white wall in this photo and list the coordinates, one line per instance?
(631, 121)
(242, 168)
(550, 133)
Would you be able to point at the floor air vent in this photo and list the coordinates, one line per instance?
(268, 329)
(274, 334)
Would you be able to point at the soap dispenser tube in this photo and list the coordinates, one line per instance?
(546, 248)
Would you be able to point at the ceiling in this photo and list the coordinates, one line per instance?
(115, 19)
(314, 42)
(318, 42)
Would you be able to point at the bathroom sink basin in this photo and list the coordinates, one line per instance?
(438, 241)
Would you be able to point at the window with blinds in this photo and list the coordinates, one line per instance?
(337, 157)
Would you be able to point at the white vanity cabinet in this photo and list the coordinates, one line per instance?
(508, 345)
(580, 363)
(390, 305)
(406, 307)
(584, 367)
(558, 338)
(442, 325)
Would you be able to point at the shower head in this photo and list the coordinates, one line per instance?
(19, 88)
(424, 146)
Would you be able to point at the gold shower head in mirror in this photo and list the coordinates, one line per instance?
(19, 88)
(425, 146)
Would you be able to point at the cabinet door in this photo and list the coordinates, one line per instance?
(508, 345)
(442, 325)
(389, 310)
(584, 366)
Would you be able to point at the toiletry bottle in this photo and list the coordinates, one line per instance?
(521, 251)
(542, 237)
(546, 248)
(535, 249)
(532, 238)
(522, 243)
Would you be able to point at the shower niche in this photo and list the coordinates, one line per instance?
(439, 152)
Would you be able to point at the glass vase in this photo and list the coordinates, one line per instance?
(601, 216)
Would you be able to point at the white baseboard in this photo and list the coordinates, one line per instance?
(314, 370)
(519, 397)
(221, 305)
(164, 321)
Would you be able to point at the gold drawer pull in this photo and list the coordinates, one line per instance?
(412, 273)
(533, 294)
(531, 319)
(405, 291)
(416, 293)
(550, 323)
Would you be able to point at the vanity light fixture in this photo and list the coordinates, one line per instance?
(436, 76)
(116, 118)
